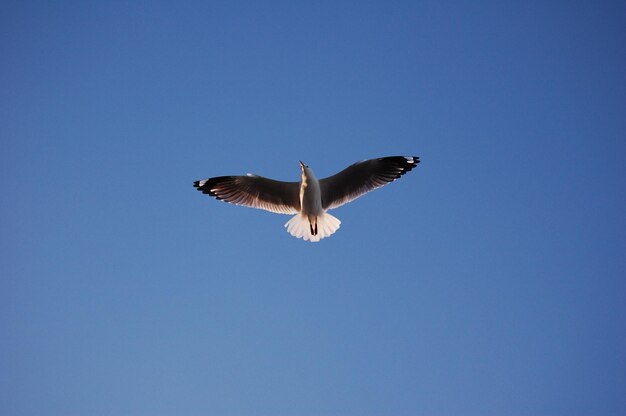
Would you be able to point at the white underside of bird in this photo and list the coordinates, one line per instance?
(313, 222)
(310, 199)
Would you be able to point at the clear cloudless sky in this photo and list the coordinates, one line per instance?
(489, 280)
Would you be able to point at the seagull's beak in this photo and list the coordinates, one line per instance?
(301, 164)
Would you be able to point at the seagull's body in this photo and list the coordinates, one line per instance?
(309, 199)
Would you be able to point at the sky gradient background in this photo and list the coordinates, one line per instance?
(489, 280)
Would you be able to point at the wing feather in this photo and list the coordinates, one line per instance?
(254, 191)
(362, 177)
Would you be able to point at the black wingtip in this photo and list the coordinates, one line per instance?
(412, 160)
(206, 185)
(408, 163)
(203, 186)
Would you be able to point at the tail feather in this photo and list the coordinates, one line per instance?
(299, 227)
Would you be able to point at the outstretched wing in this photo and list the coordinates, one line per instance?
(362, 177)
(254, 191)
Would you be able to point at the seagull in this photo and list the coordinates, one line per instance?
(310, 199)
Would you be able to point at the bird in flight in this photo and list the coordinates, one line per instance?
(310, 199)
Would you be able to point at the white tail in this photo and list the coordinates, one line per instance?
(299, 227)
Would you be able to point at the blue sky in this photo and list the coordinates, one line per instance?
(490, 280)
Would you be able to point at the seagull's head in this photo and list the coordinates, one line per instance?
(306, 170)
